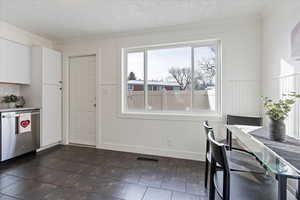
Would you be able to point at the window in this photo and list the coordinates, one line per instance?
(172, 78)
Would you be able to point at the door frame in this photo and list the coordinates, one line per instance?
(66, 95)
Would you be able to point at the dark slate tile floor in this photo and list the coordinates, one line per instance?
(71, 173)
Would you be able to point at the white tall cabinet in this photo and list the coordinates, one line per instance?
(45, 92)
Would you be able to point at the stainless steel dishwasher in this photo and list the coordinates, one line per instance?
(14, 144)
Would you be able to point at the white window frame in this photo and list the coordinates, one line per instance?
(193, 45)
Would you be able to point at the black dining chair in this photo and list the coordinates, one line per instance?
(235, 185)
(240, 120)
(239, 159)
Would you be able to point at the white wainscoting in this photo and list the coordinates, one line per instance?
(243, 97)
(291, 83)
(174, 136)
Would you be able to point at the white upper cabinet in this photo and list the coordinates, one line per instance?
(15, 64)
(52, 62)
(2, 69)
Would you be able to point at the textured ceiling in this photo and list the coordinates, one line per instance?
(66, 19)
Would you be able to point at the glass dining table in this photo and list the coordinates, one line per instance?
(279, 158)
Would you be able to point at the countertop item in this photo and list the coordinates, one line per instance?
(18, 109)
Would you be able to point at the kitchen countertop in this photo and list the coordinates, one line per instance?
(17, 109)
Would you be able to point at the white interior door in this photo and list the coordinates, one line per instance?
(83, 100)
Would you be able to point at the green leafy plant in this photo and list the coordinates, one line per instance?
(279, 110)
(10, 99)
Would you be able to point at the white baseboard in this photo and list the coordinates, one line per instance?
(48, 146)
(153, 151)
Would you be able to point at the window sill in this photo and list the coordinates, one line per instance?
(172, 116)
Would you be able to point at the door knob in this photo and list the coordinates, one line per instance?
(95, 105)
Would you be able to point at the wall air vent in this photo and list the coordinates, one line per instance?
(147, 159)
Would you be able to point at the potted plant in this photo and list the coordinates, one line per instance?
(277, 113)
(10, 100)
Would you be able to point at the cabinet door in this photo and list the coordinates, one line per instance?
(15, 62)
(2, 63)
(51, 120)
(52, 61)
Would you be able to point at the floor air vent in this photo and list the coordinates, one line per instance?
(147, 159)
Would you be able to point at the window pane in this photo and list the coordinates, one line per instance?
(135, 82)
(169, 79)
(205, 70)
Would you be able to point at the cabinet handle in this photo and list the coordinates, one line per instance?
(35, 113)
(60, 81)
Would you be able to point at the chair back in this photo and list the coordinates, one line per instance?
(218, 152)
(244, 120)
(207, 128)
(219, 156)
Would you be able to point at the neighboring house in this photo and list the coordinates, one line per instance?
(138, 85)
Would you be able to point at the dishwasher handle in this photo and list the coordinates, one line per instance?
(18, 115)
(33, 113)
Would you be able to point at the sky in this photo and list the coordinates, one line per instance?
(161, 60)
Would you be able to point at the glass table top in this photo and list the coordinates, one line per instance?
(278, 158)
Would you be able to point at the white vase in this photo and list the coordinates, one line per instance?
(12, 105)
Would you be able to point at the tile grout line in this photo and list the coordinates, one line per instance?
(172, 195)
(145, 193)
(76, 172)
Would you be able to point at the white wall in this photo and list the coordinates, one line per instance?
(171, 136)
(279, 71)
(278, 22)
(13, 33)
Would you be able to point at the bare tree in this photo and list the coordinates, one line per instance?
(131, 76)
(183, 76)
(205, 73)
(208, 68)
